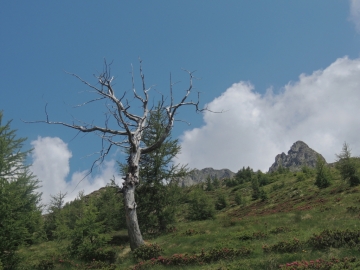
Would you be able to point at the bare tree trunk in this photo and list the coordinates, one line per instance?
(134, 233)
(131, 181)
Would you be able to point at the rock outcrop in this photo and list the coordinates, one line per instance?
(299, 155)
(199, 176)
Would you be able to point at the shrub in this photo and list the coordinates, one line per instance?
(252, 236)
(284, 246)
(263, 195)
(323, 176)
(87, 242)
(147, 252)
(280, 230)
(238, 198)
(201, 206)
(335, 239)
(221, 202)
(212, 255)
(300, 176)
(348, 166)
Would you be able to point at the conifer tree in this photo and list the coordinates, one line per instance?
(20, 213)
(323, 176)
(348, 166)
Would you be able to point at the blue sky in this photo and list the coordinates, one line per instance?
(283, 70)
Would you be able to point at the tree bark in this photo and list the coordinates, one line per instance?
(129, 185)
(134, 233)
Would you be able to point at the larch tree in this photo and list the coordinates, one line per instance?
(128, 132)
(20, 209)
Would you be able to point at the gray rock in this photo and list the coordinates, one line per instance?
(199, 176)
(299, 155)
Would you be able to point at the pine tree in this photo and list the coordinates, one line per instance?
(348, 166)
(323, 176)
(20, 213)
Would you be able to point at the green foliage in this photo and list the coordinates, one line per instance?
(238, 198)
(335, 239)
(284, 246)
(255, 189)
(323, 176)
(280, 229)
(209, 184)
(322, 264)
(52, 217)
(244, 175)
(282, 170)
(222, 201)
(147, 252)
(263, 178)
(252, 236)
(216, 182)
(201, 206)
(111, 210)
(300, 176)
(87, 240)
(20, 214)
(307, 171)
(348, 166)
(263, 195)
(213, 255)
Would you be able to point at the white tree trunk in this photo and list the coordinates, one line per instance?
(131, 181)
(134, 233)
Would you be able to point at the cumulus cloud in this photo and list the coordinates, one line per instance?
(321, 109)
(355, 13)
(51, 157)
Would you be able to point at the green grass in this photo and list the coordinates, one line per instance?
(298, 206)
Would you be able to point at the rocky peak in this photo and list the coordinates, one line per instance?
(299, 155)
(198, 176)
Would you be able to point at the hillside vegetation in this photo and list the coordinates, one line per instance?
(280, 220)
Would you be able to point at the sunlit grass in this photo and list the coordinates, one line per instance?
(298, 206)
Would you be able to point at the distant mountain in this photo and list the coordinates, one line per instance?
(199, 176)
(299, 155)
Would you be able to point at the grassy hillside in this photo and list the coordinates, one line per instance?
(298, 226)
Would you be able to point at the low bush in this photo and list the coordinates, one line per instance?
(284, 246)
(335, 239)
(212, 255)
(320, 264)
(252, 236)
(280, 230)
(146, 252)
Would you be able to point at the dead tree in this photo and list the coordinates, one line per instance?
(128, 133)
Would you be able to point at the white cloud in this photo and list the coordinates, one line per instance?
(355, 13)
(50, 164)
(321, 109)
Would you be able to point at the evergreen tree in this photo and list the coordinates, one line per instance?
(244, 175)
(111, 210)
(323, 176)
(238, 198)
(216, 182)
(56, 204)
(20, 213)
(348, 166)
(201, 207)
(209, 184)
(255, 189)
(221, 202)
